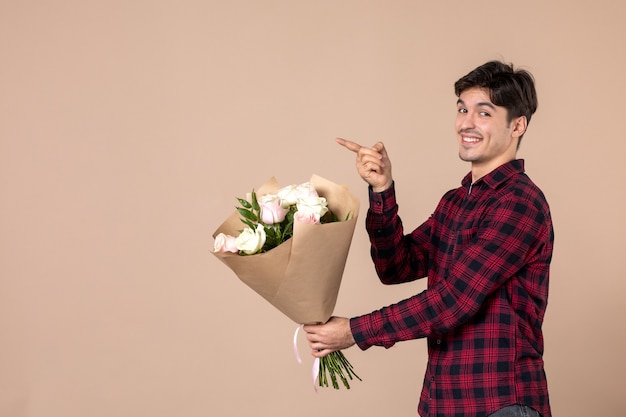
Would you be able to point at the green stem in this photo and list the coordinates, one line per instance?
(336, 364)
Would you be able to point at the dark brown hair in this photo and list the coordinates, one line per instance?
(509, 88)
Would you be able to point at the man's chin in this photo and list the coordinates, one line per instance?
(466, 158)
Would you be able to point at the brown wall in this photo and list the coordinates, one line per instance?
(128, 127)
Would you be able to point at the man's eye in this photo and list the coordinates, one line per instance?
(484, 114)
(462, 110)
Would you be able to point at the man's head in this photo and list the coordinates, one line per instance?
(507, 87)
(495, 103)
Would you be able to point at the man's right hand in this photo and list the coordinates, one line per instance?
(372, 164)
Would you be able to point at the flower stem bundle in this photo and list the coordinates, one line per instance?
(336, 365)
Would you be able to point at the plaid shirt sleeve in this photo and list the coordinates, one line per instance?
(496, 252)
(397, 258)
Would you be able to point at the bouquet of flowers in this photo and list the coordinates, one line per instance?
(292, 251)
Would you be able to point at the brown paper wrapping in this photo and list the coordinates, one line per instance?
(302, 276)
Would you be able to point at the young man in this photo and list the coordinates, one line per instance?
(486, 251)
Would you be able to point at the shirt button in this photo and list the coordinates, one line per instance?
(438, 341)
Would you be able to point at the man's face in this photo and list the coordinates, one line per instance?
(486, 138)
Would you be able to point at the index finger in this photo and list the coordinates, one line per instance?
(353, 146)
(310, 328)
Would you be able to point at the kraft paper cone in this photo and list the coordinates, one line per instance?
(302, 276)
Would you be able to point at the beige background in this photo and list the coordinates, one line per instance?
(128, 127)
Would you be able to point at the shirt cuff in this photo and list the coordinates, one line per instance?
(365, 335)
(383, 201)
(358, 327)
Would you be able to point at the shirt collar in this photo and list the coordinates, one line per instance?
(498, 175)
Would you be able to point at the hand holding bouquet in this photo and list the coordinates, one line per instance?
(292, 251)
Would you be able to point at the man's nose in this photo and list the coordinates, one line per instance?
(466, 122)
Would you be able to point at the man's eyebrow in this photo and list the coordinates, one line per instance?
(482, 103)
(487, 104)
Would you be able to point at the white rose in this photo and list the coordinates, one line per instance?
(251, 241)
(290, 194)
(311, 208)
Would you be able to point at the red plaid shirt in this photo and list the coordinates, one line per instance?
(486, 251)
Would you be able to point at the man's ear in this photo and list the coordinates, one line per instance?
(519, 125)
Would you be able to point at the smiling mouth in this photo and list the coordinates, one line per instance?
(470, 140)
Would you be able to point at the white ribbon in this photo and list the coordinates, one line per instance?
(316, 363)
(295, 343)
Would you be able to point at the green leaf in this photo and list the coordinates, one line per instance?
(244, 203)
(247, 214)
(248, 223)
(255, 202)
(287, 226)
